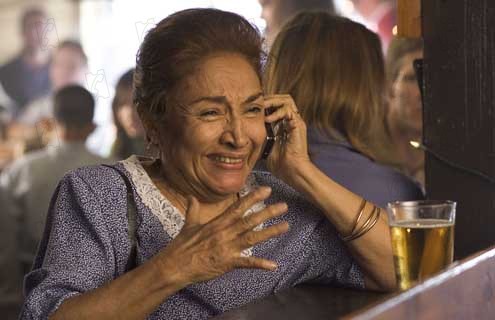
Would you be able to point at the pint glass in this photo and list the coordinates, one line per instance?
(422, 234)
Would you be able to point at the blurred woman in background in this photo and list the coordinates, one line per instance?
(130, 132)
(334, 70)
(405, 111)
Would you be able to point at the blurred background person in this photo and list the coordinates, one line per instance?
(130, 132)
(26, 76)
(7, 152)
(405, 113)
(10, 271)
(28, 183)
(380, 16)
(277, 12)
(69, 66)
(339, 90)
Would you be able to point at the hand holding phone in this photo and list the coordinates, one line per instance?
(273, 131)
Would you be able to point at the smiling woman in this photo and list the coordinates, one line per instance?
(219, 130)
(210, 232)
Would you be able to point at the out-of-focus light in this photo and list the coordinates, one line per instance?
(415, 144)
(394, 30)
(346, 7)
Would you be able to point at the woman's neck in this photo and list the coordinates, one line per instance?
(210, 208)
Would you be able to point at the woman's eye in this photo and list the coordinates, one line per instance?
(209, 113)
(255, 109)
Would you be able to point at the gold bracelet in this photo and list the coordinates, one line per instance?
(358, 217)
(365, 225)
(369, 224)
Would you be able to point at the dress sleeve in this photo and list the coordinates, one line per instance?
(331, 259)
(75, 254)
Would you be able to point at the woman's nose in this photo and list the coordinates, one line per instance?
(234, 133)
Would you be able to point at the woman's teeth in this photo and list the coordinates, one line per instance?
(227, 160)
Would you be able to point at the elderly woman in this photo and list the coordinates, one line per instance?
(339, 89)
(211, 234)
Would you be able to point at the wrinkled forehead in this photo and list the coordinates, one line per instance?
(228, 75)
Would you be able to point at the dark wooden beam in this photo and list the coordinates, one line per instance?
(459, 110)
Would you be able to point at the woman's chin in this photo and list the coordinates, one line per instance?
(228, 186)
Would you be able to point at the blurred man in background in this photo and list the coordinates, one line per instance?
(27, 184)
(380, 16)
(405, 114)
(10, 269)
(25, 77)
(69, 66)
(277, 12)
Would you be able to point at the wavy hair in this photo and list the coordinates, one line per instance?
(174, 48)
(333, 68)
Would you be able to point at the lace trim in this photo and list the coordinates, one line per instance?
(168, 215)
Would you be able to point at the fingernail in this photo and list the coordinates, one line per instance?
(273, 265)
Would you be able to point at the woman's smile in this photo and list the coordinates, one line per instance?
(228, 162)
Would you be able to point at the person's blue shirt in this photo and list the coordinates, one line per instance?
(24, 83)
(344, 164)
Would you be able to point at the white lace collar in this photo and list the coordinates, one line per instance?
(168, 215)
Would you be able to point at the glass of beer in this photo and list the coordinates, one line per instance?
(422, 235)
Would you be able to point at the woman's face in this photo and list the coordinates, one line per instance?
(217, 131)
(405, 101)
(67, 67)
(129, 120)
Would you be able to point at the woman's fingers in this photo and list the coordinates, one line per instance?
(285, 107)
(247, 223)
(255, 263)
(251, 238)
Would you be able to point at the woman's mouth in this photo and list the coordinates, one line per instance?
(227, 162)
(227, 159)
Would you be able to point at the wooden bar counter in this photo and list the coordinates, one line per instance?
(466, 290)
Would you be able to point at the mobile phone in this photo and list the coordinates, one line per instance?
(271, 133)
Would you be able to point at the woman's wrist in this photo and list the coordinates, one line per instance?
(299, 176)
(168, 277)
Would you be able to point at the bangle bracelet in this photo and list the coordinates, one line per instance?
(365, 225)
(369, 224)
(358, 217)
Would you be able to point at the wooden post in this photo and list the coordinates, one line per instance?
(409, 18)
(459, 113)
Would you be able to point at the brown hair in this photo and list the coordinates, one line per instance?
(333, 69)
(122, 147)
(174, 48)
(73, 106)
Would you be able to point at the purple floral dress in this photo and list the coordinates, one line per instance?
(85, 245)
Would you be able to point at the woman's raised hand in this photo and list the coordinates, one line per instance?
(203, 252)
(291, 148)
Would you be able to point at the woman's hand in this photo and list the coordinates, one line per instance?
(203, 252)
(291, 148)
